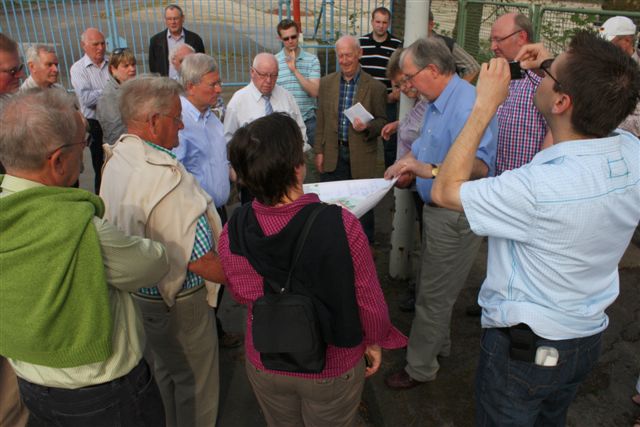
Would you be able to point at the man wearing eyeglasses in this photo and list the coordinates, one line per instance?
(70, 328)
(11, 70)
(149, 193)
(299, 73)
(161, 43)
(449, 245)
(521, 127)
(261, 97)
(557, 228)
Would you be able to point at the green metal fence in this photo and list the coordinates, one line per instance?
(554, 26)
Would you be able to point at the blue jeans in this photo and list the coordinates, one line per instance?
(132, 400)
(515, 393)
(310, 124)
(343, 173)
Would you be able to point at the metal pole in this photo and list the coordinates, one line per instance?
(403, 232)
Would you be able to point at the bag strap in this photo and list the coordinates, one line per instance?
(300, 245)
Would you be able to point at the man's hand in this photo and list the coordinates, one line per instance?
(208, 267)
(319, 160)
(290, 59)
(395, 170)
(373, 354)
(531, 56)
(389, 129)
(359, 126)
(493, 84)
(393, 96)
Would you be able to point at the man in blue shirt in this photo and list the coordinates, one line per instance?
(557, 228)
(449, 245)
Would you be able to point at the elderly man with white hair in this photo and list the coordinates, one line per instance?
(148, 192)
(261, 97)
(70, 328)
(43, 68)
(89, 76)
(177, 54)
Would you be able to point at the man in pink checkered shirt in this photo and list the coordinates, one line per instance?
(521, 127)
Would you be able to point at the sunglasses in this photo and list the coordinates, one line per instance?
(13, 71)
(293, 37)
(120, 51)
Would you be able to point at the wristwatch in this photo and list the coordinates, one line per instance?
(434, 170)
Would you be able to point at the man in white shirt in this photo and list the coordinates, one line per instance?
(260, 98)
(89, 75)
(43, 67)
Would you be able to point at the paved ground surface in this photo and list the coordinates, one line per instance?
(603, 400)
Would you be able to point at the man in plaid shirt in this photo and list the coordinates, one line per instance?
(521, 128)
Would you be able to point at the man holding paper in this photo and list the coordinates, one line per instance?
(346, 144)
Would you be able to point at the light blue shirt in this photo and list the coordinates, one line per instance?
(557, 229)
(309, 67)
(443, 120)
(203, 151)
(171, 43)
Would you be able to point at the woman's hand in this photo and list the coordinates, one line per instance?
(373, 355)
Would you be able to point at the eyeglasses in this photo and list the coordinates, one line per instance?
(265, 75)
(13, 71)
(120, 51)
(212, 85)
(409, 77)
(501, 39)
(86, 142)
(293, 37)
(546, 66)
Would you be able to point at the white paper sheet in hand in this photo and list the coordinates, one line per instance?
(358, 111)
(357, 195)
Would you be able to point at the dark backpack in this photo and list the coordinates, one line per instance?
(286, 329)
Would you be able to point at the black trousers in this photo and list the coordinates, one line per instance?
(97, 155)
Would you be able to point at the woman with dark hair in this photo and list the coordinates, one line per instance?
(334, 266)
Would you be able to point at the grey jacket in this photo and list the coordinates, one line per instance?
(108, 112)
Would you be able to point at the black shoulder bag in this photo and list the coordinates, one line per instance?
(286, 330)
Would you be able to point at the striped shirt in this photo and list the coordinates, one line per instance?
(88, 80)
(309, 67)
(375, 56)
(203, 242)
(347, 91)
(521, 127)
(246, 286)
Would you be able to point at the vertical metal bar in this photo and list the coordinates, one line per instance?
(44, 34)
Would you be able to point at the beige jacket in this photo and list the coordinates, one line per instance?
(148, 193)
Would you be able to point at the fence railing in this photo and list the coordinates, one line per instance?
(234, 31)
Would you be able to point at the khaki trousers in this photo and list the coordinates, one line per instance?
(294, 402)
(449, 250)
(183, 343)
(12, 410)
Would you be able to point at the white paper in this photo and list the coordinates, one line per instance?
(356, 195)
(358, 111)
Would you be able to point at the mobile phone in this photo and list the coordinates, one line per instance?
(516, 71)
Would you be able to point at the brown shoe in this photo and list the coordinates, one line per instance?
(401, 381)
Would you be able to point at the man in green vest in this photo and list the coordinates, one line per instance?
(69, 328)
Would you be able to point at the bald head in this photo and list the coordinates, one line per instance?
(348, 52)
(264, 72)
(93, 44)
(509, 33)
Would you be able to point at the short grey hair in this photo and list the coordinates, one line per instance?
(430, 50)
(524, 23)
(34, 123)
(145, 95)
(195, 66)
(175, 49)
(33, 52)
(264, 56)
(350, 39)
